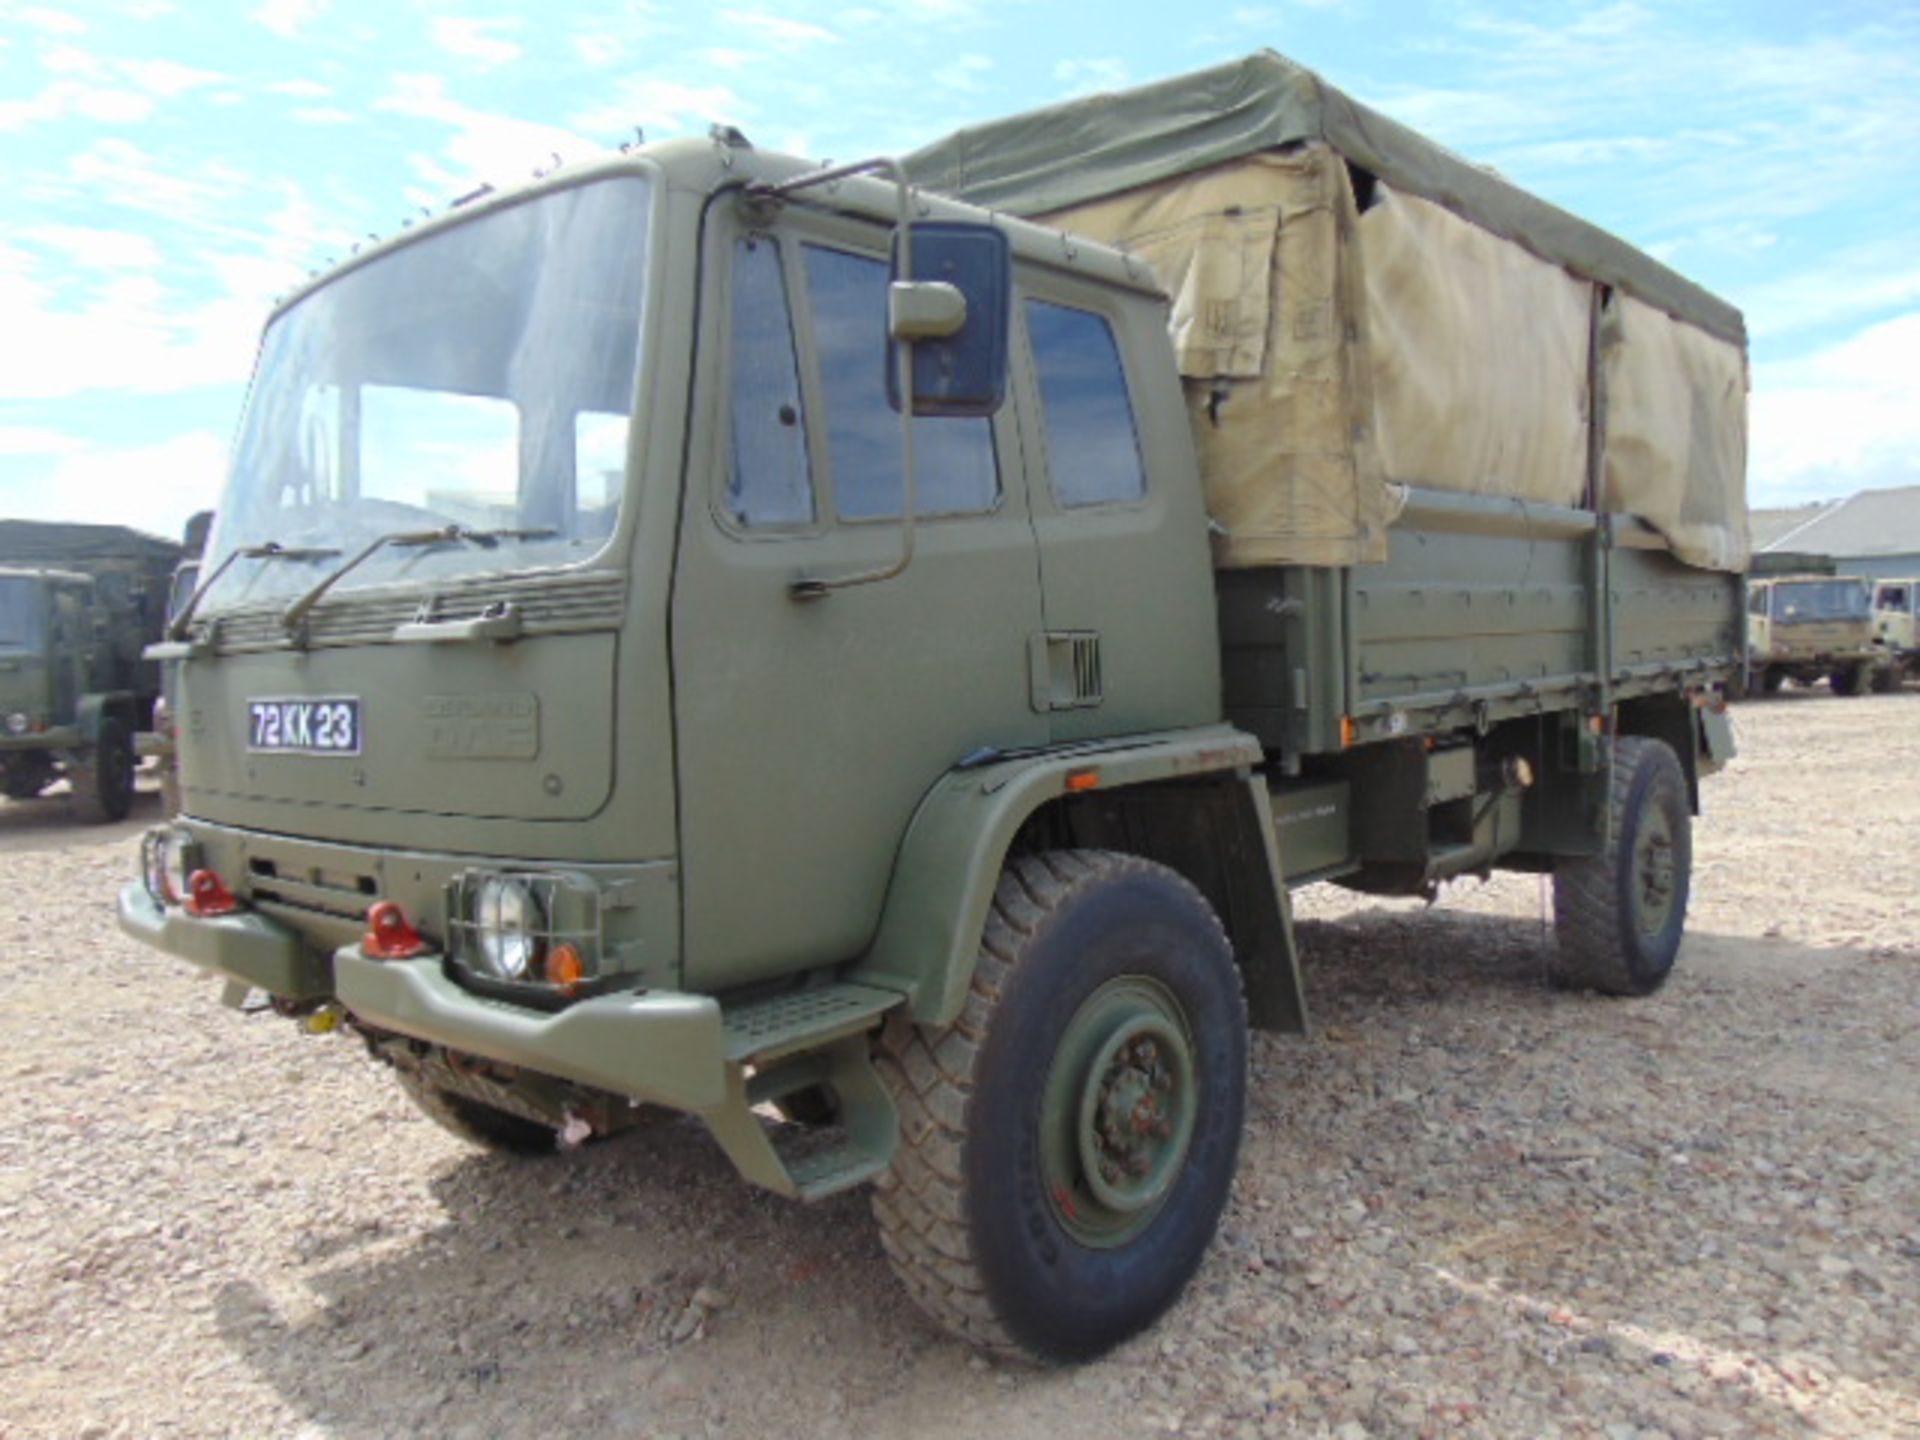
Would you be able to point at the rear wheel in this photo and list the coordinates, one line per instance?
(1848, 680)
(475, 1122)
(1619, 915)
(102, 777)
(1772, 680)
(1068, 1143)
(1886, 679)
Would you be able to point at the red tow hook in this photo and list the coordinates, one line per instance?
(208, 895)
(390, 935)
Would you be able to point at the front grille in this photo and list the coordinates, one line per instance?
(590, 600)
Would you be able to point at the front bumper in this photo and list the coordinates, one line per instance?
(243, 947)
(662, 1047)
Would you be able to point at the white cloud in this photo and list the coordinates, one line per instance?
(661, 105)
(126, 332)
(95, 249)
(287, 18)
(66, 98)
(165, 78)
(120, 173)
(34, 440)
(301, 89)
(963, 73)
(150, 487)
(610, 40)
(324, 115)
(494, 148)
(467, 38)
(1088, 77)
(1838, 420)
(776, 27)
(52, 22)
(1850, 283)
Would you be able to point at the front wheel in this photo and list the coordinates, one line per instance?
(1068, 1143)
(1619, 915)
(102, 777)
(474, 1121)
(1848, 680)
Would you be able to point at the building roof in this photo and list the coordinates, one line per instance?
(1873, 522)
(1769, 525)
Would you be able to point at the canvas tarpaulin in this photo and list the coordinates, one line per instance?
(1252, 255)
(1440, 335)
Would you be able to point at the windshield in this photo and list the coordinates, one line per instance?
(482, 377)
(19, 613)
(1813, 600)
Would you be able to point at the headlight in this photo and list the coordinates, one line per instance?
(506, 926)
(168, 856)
(18, 723)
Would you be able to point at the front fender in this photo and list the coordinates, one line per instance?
(949, 863)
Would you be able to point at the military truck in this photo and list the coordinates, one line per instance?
(824, 652)
(1896, 627)
(77, 604)
(1809, 628)
(158, 746)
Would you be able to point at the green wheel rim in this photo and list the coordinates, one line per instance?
(1118, 1112)
(1655, 875)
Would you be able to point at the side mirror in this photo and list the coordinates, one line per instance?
(954, 310)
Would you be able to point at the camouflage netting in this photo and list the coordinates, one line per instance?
(1355, 307)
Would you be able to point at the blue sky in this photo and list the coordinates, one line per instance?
(172, 165)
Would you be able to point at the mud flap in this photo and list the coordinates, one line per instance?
(1715, 747)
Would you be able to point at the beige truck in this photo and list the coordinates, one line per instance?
(1896, 626)
(1808, 628)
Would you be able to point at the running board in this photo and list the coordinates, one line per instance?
(792, 1042)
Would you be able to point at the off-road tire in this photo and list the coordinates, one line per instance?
(1886, 679)
(1772, 680)
(965, 1212)
(1607, 940)
(102, 779)
(1848, 680)
(474, 1122)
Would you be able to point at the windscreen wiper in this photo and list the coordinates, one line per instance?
(272, 550)
(295, 617)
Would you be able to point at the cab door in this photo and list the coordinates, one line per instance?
(1131, 634)
(809, 729)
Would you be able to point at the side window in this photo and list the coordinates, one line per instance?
(770, 484)
(1758, 604)
(953, 457)
(1093, 452)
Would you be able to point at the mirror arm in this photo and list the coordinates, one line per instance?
(817, 588)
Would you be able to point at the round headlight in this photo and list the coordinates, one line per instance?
(18, 723)
(505, 919)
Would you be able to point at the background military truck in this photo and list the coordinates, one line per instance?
(1806, 628)
(602, 698)
(1896, 625)
(77, 605)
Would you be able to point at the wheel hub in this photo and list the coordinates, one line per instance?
(1118, 1112)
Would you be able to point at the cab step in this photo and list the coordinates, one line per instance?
(782, 1044)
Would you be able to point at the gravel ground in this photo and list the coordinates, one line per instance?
(1468, 1205)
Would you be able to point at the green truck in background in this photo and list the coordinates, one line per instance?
(604, 694)
(78, 603)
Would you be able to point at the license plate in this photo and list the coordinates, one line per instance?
(329, 726)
